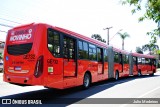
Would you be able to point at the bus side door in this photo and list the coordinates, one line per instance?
(69, 52)
(100, 61)
(121, 63)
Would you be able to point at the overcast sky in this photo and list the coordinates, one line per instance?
(86, 17)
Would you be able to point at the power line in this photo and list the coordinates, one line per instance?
(6, 25)
(115, 34)
(10, 21)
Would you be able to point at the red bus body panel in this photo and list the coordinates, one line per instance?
(60, 77)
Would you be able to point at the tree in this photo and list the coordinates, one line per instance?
(150, 48)
(104, 40)
(152, 12)
(139, 50)
(98, 37)
(123, 36)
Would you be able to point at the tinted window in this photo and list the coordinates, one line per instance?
(100, 54)
(80, 45)
(147, 61)
(125, 59)
(92, 52)
(83, 50)
(116, 57)
(139, 60)
(134, 60)
(105, 55)
(54, 42)
(68, 47)
(143, 60)
(19, 49)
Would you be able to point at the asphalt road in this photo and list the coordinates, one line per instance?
(98, 95)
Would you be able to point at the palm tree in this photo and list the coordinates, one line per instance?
(123, 37)
(150, 48)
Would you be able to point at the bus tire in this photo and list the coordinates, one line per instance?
(152, 73)
(117, 75)
(139, 73)
(86, 81)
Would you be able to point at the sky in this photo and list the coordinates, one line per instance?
(86, 17)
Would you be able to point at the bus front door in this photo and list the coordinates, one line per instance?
(69, 47)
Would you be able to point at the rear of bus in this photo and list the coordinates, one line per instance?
(23, 55)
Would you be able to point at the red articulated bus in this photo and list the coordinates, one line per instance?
(41, 54)
(143, 64)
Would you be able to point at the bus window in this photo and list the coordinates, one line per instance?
(54, 42)
(116, 57)
(143, 60)
(139, 60)
(80, 51)
(105, 55)
(99, 52)
(125, 59)
(147, 61)
(83, 50)
(154, 62)
(68, 47)
(92, 52)
(135, 60)
(121, 59)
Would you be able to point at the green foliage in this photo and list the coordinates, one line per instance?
(139, 50)
(152, 12)
(98, 37)
(123, 36)
(150, 47)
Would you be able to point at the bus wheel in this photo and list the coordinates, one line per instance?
(116, 75)
(152, 73)
(86, 81)
(139, 73)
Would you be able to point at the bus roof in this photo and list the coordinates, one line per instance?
(142, 55)
(25, 25)
(120, 51)
(85, 38)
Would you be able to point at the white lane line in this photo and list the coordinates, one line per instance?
(143, 95)
(149, 92)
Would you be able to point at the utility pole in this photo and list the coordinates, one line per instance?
(108, 28)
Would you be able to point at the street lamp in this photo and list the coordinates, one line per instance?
(115, 34)
(108, 28)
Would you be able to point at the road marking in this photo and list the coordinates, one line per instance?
(148, 92)
(143, 95)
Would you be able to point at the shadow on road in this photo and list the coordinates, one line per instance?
(72, 95)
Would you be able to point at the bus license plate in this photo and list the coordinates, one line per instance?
(17, 68)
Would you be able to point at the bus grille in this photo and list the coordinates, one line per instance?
(19, 49)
